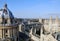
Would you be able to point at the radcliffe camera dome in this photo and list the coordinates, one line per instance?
(5, 13)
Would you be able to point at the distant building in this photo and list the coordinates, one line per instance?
(42, 29)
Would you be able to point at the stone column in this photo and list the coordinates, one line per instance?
(2, 33)
(3, 36)
(9, 33)
(14, 34)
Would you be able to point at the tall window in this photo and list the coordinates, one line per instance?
(38, 31)
(6, 31)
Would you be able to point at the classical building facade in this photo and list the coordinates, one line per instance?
(8, 26)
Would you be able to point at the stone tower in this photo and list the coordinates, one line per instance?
(56, 24)
(8, 27)
(50, 24)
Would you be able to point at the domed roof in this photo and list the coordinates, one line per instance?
(10, 14)
(7, 13)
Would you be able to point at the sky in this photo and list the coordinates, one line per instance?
(33, 8)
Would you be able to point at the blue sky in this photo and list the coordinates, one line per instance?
(33, 8)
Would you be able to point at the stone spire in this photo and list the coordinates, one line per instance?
(57, 24)
(57, 20)
(50, 25)
(50, 19)
(40, 20)
(5, 5)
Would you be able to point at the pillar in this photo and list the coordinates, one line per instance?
(3, 36)
(9, 32)
(15, 34)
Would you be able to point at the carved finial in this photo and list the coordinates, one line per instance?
(50, 18)
(5, 6)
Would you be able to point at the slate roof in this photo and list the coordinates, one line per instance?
(23, 36)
